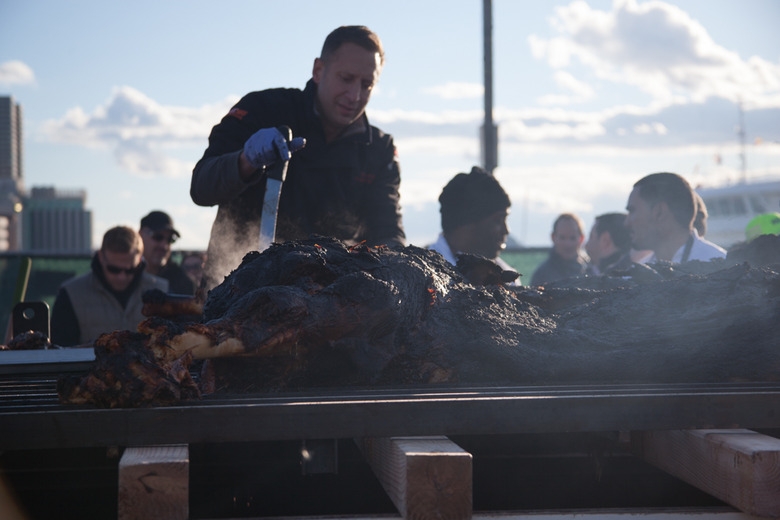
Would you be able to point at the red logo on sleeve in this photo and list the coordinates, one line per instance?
(237, 113)
(365, 178)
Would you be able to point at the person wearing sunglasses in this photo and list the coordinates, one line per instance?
(107, 298)
(158, 235)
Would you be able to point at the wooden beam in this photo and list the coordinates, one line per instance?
(154, 483)
(740, 467)
(425, 477)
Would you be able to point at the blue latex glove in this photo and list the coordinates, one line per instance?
(268, 145)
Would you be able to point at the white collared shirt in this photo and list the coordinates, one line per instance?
(701, 249)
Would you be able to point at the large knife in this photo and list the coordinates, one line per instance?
(273, 190)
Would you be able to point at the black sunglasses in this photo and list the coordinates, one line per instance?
(160, 237)
(116, 270)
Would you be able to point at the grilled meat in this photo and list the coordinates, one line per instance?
(175, 307)
(131, 372)
(29, 340)
(316, 313)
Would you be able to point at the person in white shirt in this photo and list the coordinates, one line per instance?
(661, 211)
(474, 209)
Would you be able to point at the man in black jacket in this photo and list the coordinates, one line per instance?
(344, 183)
(609, 245)
(158, 234)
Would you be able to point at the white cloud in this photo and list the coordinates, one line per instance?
(440, 145)
(650, 128)
(16, 72)
(139, 130)
(455, 90)
(445, 117)
(544, 131)
(580, 91)
(658, 48)
(579, 88)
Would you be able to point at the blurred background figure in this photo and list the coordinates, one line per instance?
(158, 234)
(764, 224)
(700, 220)
(474, 208)
(608, 245)
(661, 211)
(565, 260)
(107, 298)
(192, 263)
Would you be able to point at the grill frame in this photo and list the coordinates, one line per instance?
(32, 417)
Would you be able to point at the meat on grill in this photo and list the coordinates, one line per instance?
(29, 340)
(128, 372)
(316, 313)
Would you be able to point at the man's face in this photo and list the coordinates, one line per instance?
(157, 246)
(344, 83)
(119, 268)
(640, 221)
(489, 235)
(567, 239)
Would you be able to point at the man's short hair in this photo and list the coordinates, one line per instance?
(357, 34)
(613, 223)
(569, 216)
(470, 197)
(122, 239)
(671, 189)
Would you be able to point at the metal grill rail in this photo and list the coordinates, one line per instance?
(31, 416)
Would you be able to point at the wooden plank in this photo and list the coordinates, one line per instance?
(740, 467)
(154, 483)
(683, 513)
(425, 477)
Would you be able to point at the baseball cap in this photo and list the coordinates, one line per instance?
(159, 221)
(764, 224)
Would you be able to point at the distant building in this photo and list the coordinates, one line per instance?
(11, 174)
(56, 221)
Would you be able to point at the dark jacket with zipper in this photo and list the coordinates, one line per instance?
(347, 189)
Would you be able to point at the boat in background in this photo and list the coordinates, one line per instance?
(731, 207)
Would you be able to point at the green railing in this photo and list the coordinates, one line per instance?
(47, 272)
(525, 261)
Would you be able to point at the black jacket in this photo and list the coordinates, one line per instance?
(616, 263)
(347, 189)
(178, 281)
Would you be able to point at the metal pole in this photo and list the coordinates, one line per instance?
(741, 134)
(489, 131)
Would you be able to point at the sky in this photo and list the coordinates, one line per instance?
(119, 98)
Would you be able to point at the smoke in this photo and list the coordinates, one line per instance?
(230, 242)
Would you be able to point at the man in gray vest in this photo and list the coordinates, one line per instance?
(108, 298)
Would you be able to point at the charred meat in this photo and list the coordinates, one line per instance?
(131, 372)
(317, 313)
(28, 340)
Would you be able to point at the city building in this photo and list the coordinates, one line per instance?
(45, 220)
(56, 221)
(11, 174)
